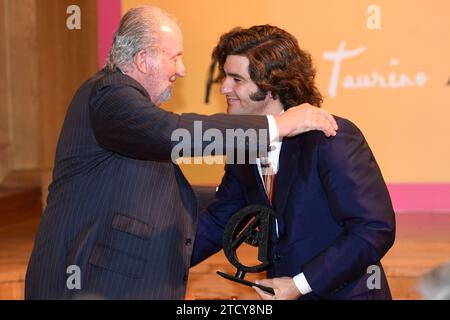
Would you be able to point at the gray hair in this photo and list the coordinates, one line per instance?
(138, 29)
(435, 285)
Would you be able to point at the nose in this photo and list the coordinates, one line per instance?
(225, 88)
(181, 71)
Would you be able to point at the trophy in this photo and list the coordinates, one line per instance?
(251, 225)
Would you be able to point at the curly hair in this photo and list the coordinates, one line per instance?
(277, 64)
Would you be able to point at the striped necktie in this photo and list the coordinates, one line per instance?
(268, 175)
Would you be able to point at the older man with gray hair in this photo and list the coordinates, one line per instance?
(121, 218)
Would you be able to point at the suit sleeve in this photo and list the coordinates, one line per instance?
(360, 203)
(125, 121)
(212, 221)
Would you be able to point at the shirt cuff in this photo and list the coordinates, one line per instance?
(273, 129)
(302, 284)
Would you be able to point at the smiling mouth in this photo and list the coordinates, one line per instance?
(232, 100)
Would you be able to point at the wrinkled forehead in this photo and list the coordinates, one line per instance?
(168, 26)
(171, 38)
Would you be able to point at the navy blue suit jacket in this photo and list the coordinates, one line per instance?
(335, 213)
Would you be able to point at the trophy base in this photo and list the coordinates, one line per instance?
(246, 282)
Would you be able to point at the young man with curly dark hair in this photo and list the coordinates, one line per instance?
(335, 219)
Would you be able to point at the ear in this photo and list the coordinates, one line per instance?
(140, 60)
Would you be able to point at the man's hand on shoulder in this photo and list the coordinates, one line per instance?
(303, 118)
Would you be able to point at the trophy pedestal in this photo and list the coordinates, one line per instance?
(246, 282)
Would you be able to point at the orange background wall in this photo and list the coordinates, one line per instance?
(406, 127)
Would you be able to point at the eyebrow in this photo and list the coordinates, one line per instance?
(179, 53)
(235, 75)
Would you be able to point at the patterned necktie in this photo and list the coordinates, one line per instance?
(268, 175)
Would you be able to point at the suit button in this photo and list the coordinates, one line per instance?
(188, 241)
(277, 257)
(185, 277)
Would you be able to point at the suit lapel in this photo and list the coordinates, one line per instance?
(254, 185)
(261, 189)
(289, 155)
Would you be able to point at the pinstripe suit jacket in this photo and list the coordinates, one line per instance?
(118, 208)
